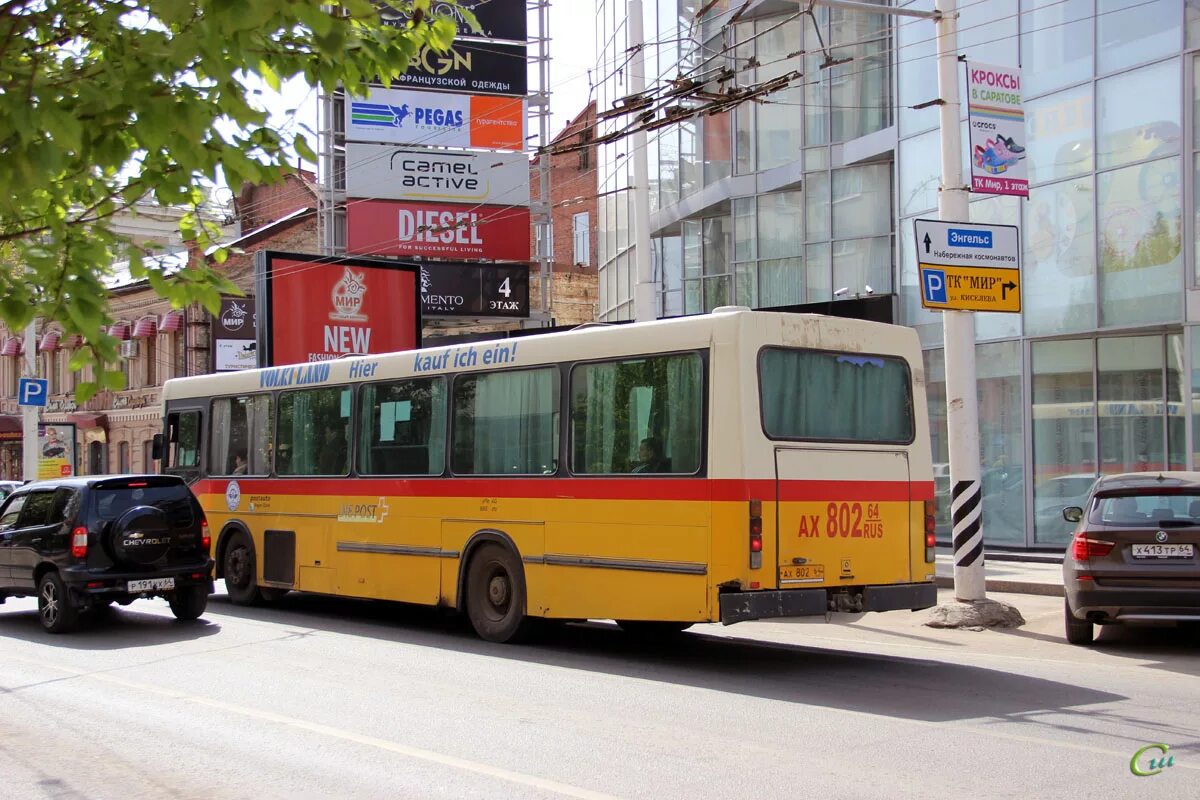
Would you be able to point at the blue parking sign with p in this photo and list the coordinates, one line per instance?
(935, 285)
(32, 391)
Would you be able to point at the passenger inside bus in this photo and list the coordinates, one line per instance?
(650, 456)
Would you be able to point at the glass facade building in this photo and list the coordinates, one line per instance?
(810, 194)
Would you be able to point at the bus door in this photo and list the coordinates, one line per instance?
(843, 517)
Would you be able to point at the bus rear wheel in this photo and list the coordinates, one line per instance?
(496, 594)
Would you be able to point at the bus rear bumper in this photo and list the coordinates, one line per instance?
(745, 606)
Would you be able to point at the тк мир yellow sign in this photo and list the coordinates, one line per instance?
(971, 288)
(965, 266)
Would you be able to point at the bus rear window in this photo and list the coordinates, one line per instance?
(815, 395)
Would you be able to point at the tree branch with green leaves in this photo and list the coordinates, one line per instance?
(104, 104)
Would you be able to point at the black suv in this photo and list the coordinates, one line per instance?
(83, 543)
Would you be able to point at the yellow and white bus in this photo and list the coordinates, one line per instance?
(734, 466)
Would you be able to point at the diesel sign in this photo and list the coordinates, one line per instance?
(437, 230)
(408, 173)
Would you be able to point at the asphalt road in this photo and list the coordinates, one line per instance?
(327, 698)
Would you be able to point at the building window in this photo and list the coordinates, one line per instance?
(545, 241)
(151, 360)
(581, 228)
(123, 458)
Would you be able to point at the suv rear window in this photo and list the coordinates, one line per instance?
(174, 500)
(1146, 510)
(817, 395)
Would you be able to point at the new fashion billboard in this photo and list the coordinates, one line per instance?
(437, 230)
(412, 117)
(472, 67)
(318, 308)
(409, 173)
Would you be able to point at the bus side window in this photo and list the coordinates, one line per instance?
(183, 440)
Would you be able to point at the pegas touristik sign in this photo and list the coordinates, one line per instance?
(437, 230)
(317, 308)
(417, 117)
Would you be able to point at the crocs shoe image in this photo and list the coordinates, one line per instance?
(1012, 146)
(989, 159)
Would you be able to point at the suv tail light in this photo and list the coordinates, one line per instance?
(756, 543)
(1083, 548)
(79, 538)
(930, 530)
(205, 538)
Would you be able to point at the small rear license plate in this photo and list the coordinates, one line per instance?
(1163, 551)
(151, 584)
(806, 573)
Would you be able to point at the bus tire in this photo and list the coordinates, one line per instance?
(651, 631)
(496, 594)
(239, 567)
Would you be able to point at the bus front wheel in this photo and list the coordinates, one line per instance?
(496, 594)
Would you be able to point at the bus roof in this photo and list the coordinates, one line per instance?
(585, 343)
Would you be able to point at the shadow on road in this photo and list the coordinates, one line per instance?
(1169, 647)
(908, 688)
(117, 628)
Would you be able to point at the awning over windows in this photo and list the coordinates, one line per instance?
(119, 330)
(50, 341)
(85, 420)
(171, 322)
(145, 327)
(11, 347)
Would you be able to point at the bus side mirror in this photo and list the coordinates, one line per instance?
(1072, 513)
(156, 447)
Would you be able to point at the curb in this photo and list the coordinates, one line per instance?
(1009, 586)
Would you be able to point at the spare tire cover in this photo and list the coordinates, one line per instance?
(140, 535)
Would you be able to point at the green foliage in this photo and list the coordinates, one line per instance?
(107, 102)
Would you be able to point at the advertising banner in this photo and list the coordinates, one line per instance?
(499, 19)
(235, 332)
(475, 290)
(997, 128)
(437, 230)
(315, 308)
(470, 67)
(408, 116)
(407, 173)
(56, 451)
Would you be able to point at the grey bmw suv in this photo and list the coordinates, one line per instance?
(1133, 557)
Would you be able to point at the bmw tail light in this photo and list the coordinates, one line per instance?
(756, 541)
(79, 541)
(1083, 548)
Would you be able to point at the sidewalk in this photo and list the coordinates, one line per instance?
(1017, 577)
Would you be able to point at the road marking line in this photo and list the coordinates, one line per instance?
(532, 781)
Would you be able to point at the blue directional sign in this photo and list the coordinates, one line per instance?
(32, 391)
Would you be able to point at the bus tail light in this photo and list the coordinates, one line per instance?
(930, 530)
(205, 538)
(79, 538)
(756, 542)
(1083, 548)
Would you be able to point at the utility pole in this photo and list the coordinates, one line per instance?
(29, 414)
(958, 329)
(644, 294)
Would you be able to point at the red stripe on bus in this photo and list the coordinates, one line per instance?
(584, 488)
